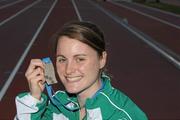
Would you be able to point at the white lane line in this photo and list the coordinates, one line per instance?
(150, 16)
(10, 4)
(77, 11)
(18, 13)
(167, 53)
(158, 10)
(15, 70)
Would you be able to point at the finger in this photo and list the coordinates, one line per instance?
(36, 80)
(37, 72)
(34, 63)
(42, 85)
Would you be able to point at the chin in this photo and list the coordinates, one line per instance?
(73, 90)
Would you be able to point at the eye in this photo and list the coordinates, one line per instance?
(79, 59)
(61, 60)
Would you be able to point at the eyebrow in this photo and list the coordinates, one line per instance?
(77, 55)
(80, 55)
(60, 56)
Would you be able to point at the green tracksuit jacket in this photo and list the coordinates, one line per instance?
(107, 104)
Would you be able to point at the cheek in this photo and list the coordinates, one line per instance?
(59, 69)
(90, 67)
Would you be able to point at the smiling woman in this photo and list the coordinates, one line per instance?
(80, 59)
(78, 64)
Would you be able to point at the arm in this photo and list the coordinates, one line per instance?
(34, 102)
(30, 108)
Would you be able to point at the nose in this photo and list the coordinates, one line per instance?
(70, 67)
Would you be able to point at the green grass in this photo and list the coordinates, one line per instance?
(162, 6)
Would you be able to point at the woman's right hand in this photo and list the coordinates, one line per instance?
(35, 77)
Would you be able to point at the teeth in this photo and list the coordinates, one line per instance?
(73, 78)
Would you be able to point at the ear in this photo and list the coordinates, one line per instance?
(103, 59)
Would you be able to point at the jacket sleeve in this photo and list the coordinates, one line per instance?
(29, 108)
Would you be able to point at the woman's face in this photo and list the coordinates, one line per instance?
(78, 66)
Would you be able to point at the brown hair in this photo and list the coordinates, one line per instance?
(85, 32)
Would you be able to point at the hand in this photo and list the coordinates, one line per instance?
(35, 77)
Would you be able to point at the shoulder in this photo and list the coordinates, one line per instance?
(122, 105)
(115, 97)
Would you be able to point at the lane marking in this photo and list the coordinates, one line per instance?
(167, 53)
(18, 13)
(77, 11)
(10, 4)
(15, 70)
(158, 10)
(150, 16)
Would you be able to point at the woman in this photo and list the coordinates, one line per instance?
(80, 60)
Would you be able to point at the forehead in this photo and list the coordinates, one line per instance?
(68, 45)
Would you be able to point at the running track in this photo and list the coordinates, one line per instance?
(144, 74)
